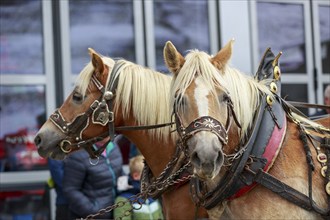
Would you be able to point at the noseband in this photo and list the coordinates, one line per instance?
(101, 111)
(206, 123)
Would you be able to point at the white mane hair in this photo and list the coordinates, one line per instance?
(84, 77)
(244, 90)
(141, 93)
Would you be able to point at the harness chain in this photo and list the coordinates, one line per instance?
(154, 189)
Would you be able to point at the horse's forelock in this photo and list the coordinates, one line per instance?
(197, 62)
(85, 75)
(83, 79)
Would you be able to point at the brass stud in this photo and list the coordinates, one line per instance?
(273, 87)
(327, 188)
(277, 72)
(323, 170)
(269, 100)
(77, 138)
(64, 127)
(322, 158)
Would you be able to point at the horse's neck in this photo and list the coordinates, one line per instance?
(156, 152)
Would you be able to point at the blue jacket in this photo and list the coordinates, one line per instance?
(90, 188)
(56, 168)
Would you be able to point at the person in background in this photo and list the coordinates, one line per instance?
(129, 186)
(326, 102)
(90, 185)
(56, 172)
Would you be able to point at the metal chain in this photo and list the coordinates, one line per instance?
(160, 185)
(138, 198)
(157, 185)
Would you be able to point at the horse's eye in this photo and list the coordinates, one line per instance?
(224, 97)
(77, 97)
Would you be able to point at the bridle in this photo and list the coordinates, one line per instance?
(101, 113)
(206, 123)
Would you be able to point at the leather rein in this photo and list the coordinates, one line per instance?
(101, 113)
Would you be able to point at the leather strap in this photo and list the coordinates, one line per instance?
(287, 192)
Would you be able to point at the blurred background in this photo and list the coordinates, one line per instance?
(43, 46)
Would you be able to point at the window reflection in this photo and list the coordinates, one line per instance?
(289, 91)
(185, 23)
(105, 25)
(324, 16)
(281, 27)
(21, 46)
(17, 150)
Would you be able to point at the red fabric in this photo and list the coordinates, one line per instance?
(270, 154)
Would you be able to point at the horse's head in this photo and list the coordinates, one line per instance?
(202, 106)
(83, 117)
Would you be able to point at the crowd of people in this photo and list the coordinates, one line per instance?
(84, 187)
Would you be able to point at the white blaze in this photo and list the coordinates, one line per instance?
(201, 93)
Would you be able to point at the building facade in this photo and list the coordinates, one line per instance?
(43, 46)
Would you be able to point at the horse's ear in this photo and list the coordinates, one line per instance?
(223, 56)
(96, 61)
(173, 59)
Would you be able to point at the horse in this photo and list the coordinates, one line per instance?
(254, 155)
(117, 96)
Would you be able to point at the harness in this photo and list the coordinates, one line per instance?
(255, 156)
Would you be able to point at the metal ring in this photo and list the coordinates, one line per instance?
(97, 161)
(62, 146)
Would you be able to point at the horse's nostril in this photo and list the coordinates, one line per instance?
(195, 159)
(37, 140)
(220, 158)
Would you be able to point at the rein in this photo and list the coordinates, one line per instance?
(101, 112)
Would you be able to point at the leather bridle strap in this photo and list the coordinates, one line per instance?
(207, 123)
(287, 192)
(308, 105)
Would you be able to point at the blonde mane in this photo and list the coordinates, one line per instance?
(243, 89)
(141, 93)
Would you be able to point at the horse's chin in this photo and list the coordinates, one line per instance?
(55, 153)
(204, 176)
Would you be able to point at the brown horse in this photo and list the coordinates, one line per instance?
(138, 96)
(237, 132)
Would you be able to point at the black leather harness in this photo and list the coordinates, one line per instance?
(247, 167)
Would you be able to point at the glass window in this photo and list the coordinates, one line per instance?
(21, 46)
(185, 23)
(324, 19)
(107, 26)
(22, 111)
(289, 92)
(281, 27)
